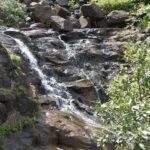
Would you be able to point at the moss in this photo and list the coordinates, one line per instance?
(7, 128)
(5, 91)
(15, 57)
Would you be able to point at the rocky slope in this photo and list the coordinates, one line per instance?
(55, 62)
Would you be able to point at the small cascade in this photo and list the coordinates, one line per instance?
(72, 56)
(55, 90)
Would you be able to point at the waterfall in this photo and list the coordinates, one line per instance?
(55, 90)
(72, 55)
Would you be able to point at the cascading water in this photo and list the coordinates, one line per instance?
(72, 55)
(55, 90)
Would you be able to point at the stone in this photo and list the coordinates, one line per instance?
(117, 17)
(62, 2)
(92, 11)
(61, 24)
(60, 11)
(75, 22)
(84, 91)
(41, 13)
(84, 22)
(3, 112)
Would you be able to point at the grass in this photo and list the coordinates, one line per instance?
(109, 5)
(8, 128)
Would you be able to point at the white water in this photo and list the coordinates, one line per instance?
(72, 54)
(55, 90)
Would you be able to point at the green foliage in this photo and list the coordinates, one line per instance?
(12, 11)
(15, 57)
(109, 5)
(144, 17)
(127, 113)
(8, 128)
(73, 5)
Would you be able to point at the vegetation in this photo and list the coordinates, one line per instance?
(143, 17)
(128, 5)
(7, 128)
(15, 57)
(12, 10)
(127, 113)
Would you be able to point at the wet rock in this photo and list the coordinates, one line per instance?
(117, 17)
(62, 2)
(63, 130)
(92, 11)
(61, 24)
(35, 33)
(84, 22)
(37, 25)
(60, 11)
(45, 100)
(74, 35)
(84, 91)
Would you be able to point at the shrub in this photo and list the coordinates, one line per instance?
(127, 114)
(143, 15)
(12, 10)
(109, 5)
(8, 128)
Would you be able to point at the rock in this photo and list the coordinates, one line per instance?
(77, 13)
(75, 22)
(62, 2)
(64, 131)
(61, 24)
(41, 13)
(60, 11)
(74, 35)
(84, 22)
(3, 112)
(147, 40)
(101, 23)
(84, 91)
(35, 33)
(37, 25)
(117, 17)
(92, 11)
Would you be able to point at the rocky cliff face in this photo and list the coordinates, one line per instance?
(49, 63)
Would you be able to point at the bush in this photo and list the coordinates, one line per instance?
(12, 10)
(8, 128)
(143, 17)
(127, 114)
(109, 5)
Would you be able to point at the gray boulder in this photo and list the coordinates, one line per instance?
(92, 11)
(62, 2)
(61, 24)
(84, 22)
(117, 17)
(60, 11)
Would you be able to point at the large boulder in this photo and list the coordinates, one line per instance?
(84, 22)
(41, 13)
(117, 17)
(62, 2)
(92, 11)
(75, 22)
(84, 91)
(58, 131)
(60, 11)
(61, 24)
